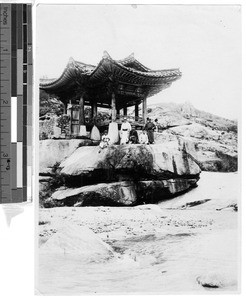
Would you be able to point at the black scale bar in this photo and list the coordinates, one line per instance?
(13, 96)
(20, 50)
(24, 86)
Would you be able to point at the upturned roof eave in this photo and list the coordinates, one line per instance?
(73, 67)
(150, 73)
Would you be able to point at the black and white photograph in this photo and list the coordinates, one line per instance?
(139, 152)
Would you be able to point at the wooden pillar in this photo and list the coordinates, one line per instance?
(94, 109)
(92, 113)
(136, 112)
(113, 106)
(125, 111)
(69, 108)
(70, 113)
(81, 111)
(71, 116)
(144, 109)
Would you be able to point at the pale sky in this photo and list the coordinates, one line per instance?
(203, 41)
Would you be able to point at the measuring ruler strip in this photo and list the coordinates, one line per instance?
(16, 102)
(5, 107)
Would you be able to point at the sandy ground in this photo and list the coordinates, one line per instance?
(180, 247)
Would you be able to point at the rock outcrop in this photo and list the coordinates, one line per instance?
(214, 138)
(120, 193)
(122, 175)
(145, 161)
(205, 147)
(111, 194)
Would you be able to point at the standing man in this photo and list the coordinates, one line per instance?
(125, 131)
(150, 127)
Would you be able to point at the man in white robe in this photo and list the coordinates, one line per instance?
(125, 131)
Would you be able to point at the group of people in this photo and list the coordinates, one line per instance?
(129, 134)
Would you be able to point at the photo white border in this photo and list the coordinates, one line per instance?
(20, 268)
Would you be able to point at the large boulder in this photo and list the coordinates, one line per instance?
(122, 175)
(160, 161)
(121, 193)
(111, 194)
(70, 239)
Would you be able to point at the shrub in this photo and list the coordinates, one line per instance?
(63, 122)
(49, 104)
(55, 182)
(232, 128)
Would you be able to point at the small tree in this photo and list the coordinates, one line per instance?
(49, 104)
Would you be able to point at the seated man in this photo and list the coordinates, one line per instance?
(105, 140)
(133, 136)
(143, 138)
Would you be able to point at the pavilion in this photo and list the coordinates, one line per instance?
(113, 84)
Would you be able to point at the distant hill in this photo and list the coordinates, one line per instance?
(172, 114)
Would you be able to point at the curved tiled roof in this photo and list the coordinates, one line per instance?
(126, 71)
(130, 61)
